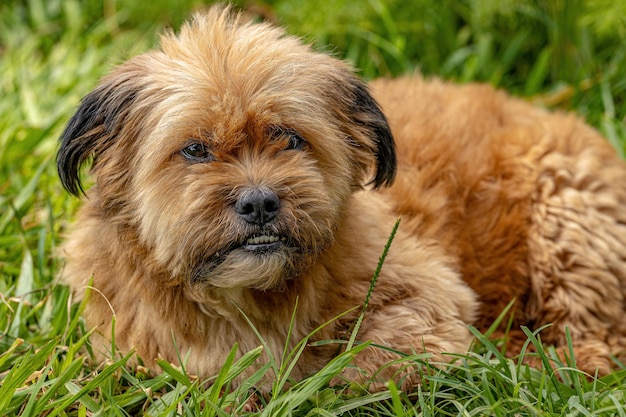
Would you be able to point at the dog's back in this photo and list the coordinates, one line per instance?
(533, 205)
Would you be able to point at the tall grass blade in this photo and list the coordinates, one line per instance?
(379, 266)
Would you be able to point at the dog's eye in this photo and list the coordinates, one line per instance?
(290, 139)
(196, 152)
(295, 142)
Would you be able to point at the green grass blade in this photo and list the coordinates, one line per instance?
(60, 405)
(539, 72)
(24, 368)
(222, 378)
(379, 266)
(19, 202)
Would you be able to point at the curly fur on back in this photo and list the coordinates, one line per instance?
(532, 204)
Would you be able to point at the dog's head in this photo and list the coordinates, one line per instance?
(232, 151)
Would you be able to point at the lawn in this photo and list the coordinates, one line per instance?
(562, 54)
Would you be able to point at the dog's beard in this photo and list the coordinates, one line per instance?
(259, 259)
(259, 269)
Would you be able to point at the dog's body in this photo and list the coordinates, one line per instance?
(531, 204)
(228, 172)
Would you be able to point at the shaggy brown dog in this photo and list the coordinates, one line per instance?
(233, 181)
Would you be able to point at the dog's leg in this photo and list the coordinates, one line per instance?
(428, 321)
(405, 329)
(577, 248)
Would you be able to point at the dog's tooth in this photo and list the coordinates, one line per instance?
(263, 239)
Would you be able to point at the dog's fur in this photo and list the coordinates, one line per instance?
(494, 194)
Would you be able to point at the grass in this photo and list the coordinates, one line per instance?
(564, 55)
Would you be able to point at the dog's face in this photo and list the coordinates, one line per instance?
(231, 153)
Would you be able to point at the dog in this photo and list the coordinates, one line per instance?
(245, 185)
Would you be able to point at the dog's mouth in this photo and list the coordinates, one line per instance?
(257, 243)
(260, 246)
(264, 243)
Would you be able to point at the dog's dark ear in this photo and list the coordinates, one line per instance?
(93, 128)
(367, 113)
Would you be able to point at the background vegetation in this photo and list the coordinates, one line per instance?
(563, 54)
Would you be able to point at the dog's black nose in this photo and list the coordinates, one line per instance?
(258, 205)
